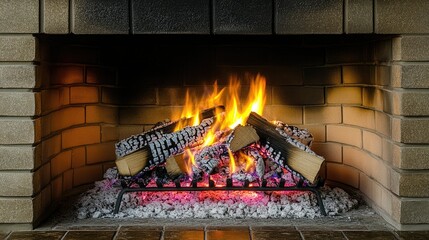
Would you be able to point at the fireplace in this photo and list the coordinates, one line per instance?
(84, 75)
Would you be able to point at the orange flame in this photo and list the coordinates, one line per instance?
(249, 161)
(232, 167)
(191, 161)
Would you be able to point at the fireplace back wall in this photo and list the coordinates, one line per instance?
(67, 98)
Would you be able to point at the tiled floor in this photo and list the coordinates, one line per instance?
(362, 223)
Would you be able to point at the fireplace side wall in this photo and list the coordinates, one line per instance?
(395, 106)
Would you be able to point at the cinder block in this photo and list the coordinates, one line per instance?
(84, 95)
(109, 133)
(322, 75)
(50, 147)
(61, 163)
(409, 102)
(148, 115)
(410, 156)
(293, 95)
(414, 211)
(359, 16)
(286, 114)
(410, 130)
(19, 16)
(332, 152)
(21, 131)
(322, 114)
(15, 210)
(78, 157)
(55, 16)
(185, 17)
(297, 17)
(66, 118)
(17, 157)
(344, 134)
(16, 184)
(372, 143)
(91, 17)
(374, 98)
(359, 117)
(411, 48)
(358, 74)
(101, 114)
(17, 48)
(99, 153)
(344, 95)
(410, 184)
(87, 174)
(398, 17)
(17, 76)
(343, 174)
(383, 124)
(242, 17)
(410, 76)
(66, 75)
(80, 136)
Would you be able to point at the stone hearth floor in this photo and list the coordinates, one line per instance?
(360, 223)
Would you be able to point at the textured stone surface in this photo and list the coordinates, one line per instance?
(96, 235)
(409, 184)
(409, 103)
(17, 157)
(138, 234)
(396, 16)
(410, 76)
(55, 16)
(91, 17)
(360, 15)
(19, 16)
(411, 48)
(242, 17)
(358, 235)
(267, 235)
(17, 76)
(15, 210)
(305, 17)
(16, 184)
(17, 131)
(18, 103)
(414, 211)
(236, 234)
(17, 48)
(170, 16)
(411, 157)
(410, 130)
(184, 234)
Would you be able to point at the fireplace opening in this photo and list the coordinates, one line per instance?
(97, 90)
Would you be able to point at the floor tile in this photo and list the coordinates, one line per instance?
(185, 234)
(138, 235)
(413, 235)
(141, 228)
(228, 235)
(272, 228)
(36, 235)
(3, 235)
(280, 235)
(374, 235)
(322, 235)
(90, 235)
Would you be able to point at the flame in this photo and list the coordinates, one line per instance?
(232, 167)
(189, 155)
(249, 161)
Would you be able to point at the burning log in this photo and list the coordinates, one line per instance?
(297, 155)
(139, 141)
(242, 137)
(296, 133)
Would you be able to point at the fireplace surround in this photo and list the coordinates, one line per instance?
(76, 76)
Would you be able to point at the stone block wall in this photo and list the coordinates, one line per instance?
(365, 103)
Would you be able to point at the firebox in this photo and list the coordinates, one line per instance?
(78, 76)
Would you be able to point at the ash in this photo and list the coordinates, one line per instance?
(99, 201)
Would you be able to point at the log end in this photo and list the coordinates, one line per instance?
(133, 163)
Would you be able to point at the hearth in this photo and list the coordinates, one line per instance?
(78, 76)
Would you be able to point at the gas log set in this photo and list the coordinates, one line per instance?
(225, 149)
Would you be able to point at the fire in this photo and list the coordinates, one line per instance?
(231, 162)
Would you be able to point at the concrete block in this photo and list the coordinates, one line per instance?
(17, 76)
(61, 163)
(414, 211)
(55, 16)
(170, 16)
(410, 130)
(305, 17)
(91, 17)
(99, 153)
(411, 48)
(16, 184)
(18, 104)
(409, 102)
(410, 76)
(344, 95)
(360, 15)
(80, 136)
(344, 134)
(17, 48)
(396, 16)
(15, 210)
(410, 184)
(17, 157)
(19, 16)
(343, 174)
(359, 117)
(21, 131)
(322, 114)
(410, 156)
(242, 17)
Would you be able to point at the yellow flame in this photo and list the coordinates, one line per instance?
(249, 161)
(231, 162)
(191, 161)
